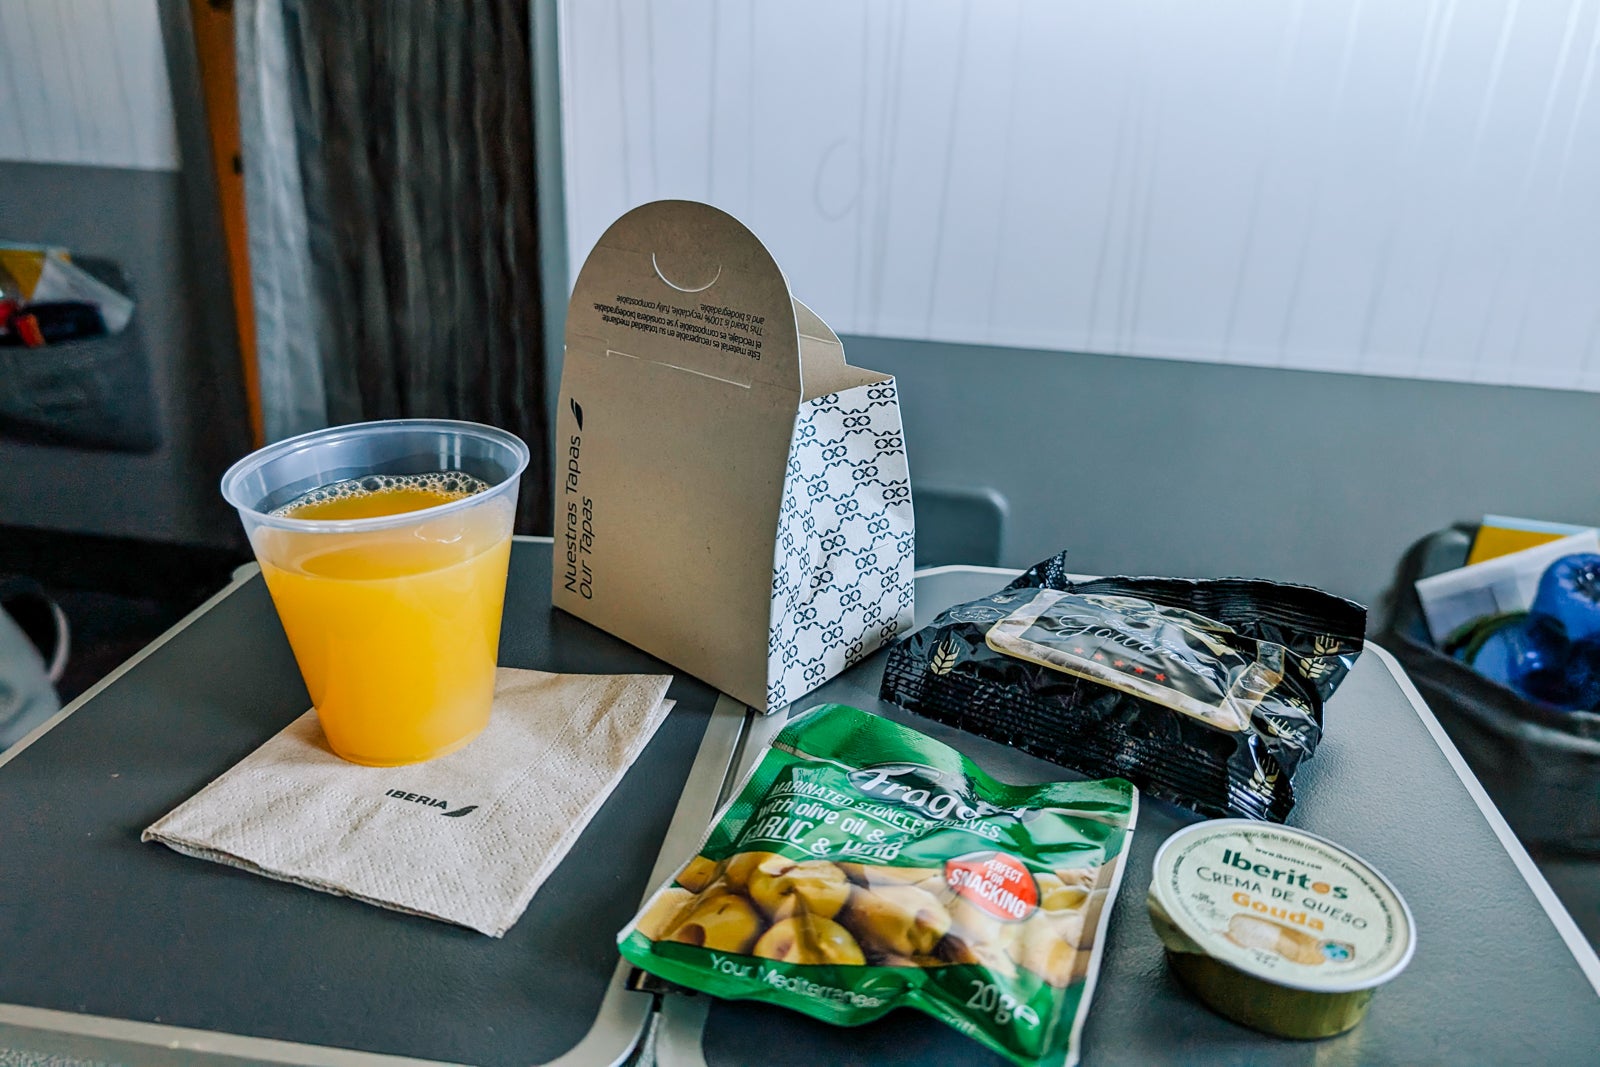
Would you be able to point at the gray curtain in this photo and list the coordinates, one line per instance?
(390, 191)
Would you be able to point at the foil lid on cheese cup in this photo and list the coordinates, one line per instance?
(1304, 930)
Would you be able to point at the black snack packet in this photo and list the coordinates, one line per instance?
(1204, 692)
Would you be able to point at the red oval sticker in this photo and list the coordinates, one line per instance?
(997, 882)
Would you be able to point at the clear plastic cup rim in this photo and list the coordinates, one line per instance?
(316, 438)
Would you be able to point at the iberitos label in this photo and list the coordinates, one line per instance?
(1283, 905)
(864, 867)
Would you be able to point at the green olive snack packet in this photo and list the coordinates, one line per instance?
(864, 866)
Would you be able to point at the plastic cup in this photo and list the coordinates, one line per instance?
(394, 620)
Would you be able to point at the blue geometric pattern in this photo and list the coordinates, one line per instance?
(841, 571)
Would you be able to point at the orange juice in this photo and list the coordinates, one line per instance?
(395, 630)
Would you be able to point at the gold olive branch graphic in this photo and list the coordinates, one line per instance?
(1316, 666)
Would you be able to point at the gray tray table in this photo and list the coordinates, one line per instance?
(1501, 974)
(116, 951)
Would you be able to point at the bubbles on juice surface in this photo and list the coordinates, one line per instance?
(446, 485)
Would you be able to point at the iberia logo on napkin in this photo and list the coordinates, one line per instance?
(431, 802)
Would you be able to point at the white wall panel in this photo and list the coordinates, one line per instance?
(85, 81)
(1396, 187)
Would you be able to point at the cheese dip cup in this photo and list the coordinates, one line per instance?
(1276, 928)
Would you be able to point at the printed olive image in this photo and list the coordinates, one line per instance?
(669, 907)
(737, 870)
(975, 926)
(808, 938)
(867, 875)
(977, 937)
(817, 911)
(909, 961)
(895, 920)
(1098, 902)
(1047, 948)
(928, 879)
(698, 874)
(1064, 890)
(1068, 924)
(780, 887)
(993, 957)
(722, 922)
